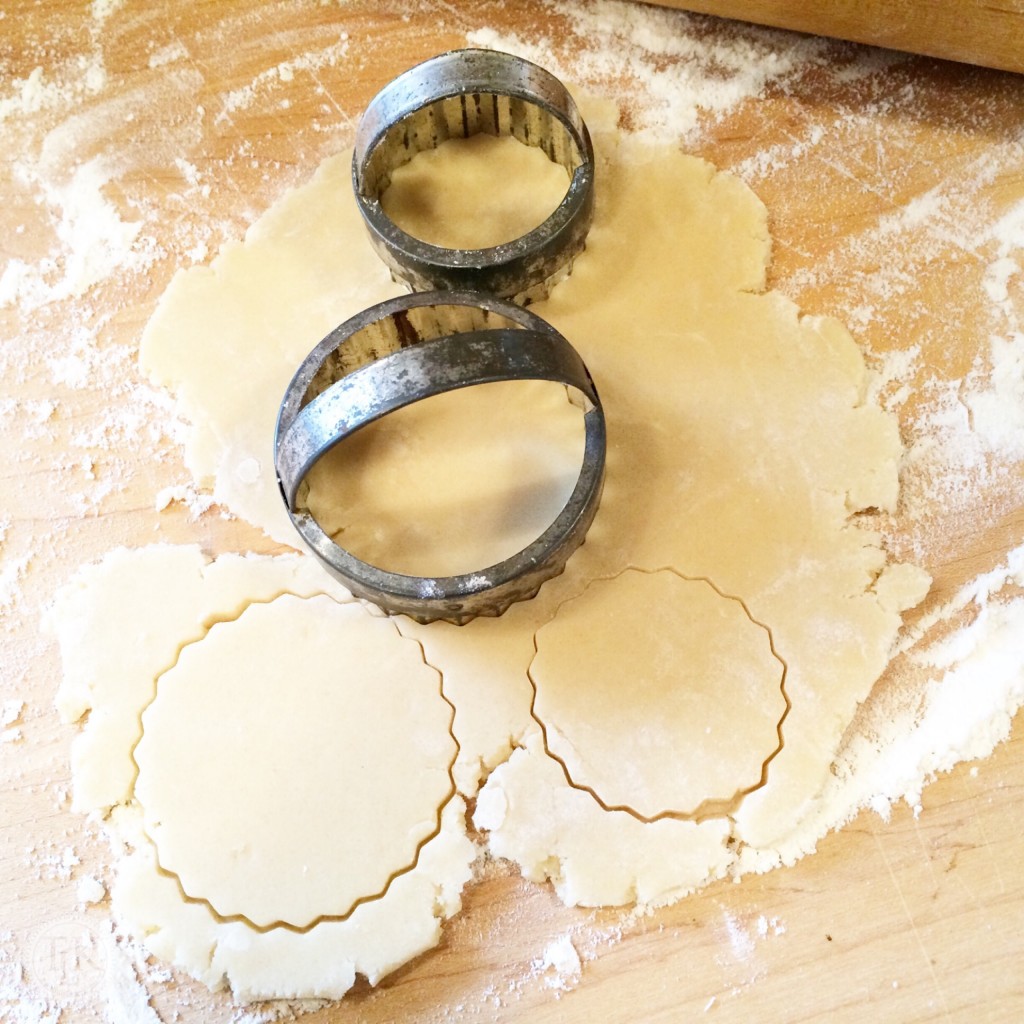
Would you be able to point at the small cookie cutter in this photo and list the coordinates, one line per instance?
(456, 95)
(399, 352)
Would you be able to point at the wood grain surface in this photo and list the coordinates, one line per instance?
(883, 176)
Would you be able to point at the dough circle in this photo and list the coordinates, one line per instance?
(683, 718)
(294, 761)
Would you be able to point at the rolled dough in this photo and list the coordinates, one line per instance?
(450, 203)
(741, 448)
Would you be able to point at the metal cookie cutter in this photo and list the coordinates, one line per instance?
(399, 352)
(456, 95)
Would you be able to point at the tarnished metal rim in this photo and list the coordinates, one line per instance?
(459, 94)
(400, 352)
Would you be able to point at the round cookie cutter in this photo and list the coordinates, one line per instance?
(402, 351)
(456, 95)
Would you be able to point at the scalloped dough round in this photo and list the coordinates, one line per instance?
(680, 721)
(294, 761)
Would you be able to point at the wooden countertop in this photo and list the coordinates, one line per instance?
(138, 138)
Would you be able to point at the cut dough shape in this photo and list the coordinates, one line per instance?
(683, 719)
(118, 633)
(294, 761)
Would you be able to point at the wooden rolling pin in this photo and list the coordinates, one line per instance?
(986, 32)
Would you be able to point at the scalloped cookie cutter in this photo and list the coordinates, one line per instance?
(405, 350)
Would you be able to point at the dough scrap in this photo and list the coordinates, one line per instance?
(553, 832)
(118, 634)
(652, 726)
(294, 761)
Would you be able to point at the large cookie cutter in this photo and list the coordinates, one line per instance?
(456, 95)
(402, 351)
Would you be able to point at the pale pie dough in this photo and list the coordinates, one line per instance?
(455, 483)
(667, 739)
(489, 467)
(451, 204)
(294, 761)
(742, 445)
(121, 624)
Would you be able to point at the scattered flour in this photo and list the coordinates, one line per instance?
(769, 926)
(679, 72)
(168, 54)
(741, 941)
(10, 716)
(90, 890)
(41, 90)
(560, 965)
(974, 688)
(128, 1001)
(103, 9)
(11, 712)
(743, 935)
(12, 572)
(195, 501)
(309, 63)
(997, 410)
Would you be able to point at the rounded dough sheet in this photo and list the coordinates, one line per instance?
(652, 726)
(294, 761)
(741, 448)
